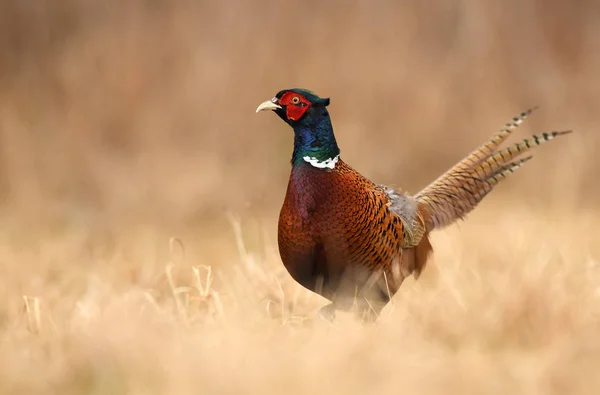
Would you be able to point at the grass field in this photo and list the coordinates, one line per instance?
(139, 196)
(502, 308)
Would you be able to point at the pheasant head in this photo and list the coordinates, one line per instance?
(306, 113)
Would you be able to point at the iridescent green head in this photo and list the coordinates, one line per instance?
(296, 105)
(306, 113)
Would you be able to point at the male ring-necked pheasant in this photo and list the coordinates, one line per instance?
(354, 241)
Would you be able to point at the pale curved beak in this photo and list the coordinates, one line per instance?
(268, 105)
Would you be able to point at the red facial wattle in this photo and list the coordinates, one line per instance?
(295, 105)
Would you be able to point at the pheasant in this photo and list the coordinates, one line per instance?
(354, 241)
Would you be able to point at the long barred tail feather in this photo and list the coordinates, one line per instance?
(481, 187)
(500, 158)
(485, 150)
(456, 192)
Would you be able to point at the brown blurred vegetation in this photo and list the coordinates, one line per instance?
(123, 123)
(146, 108)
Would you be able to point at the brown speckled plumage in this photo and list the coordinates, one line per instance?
(338, 227)
(354, 241)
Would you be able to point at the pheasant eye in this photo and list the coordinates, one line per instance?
(295, 100)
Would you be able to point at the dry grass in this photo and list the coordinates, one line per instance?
(520, 315)
(128, 136)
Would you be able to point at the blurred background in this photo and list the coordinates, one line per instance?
(143, 111)
(126, 123)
